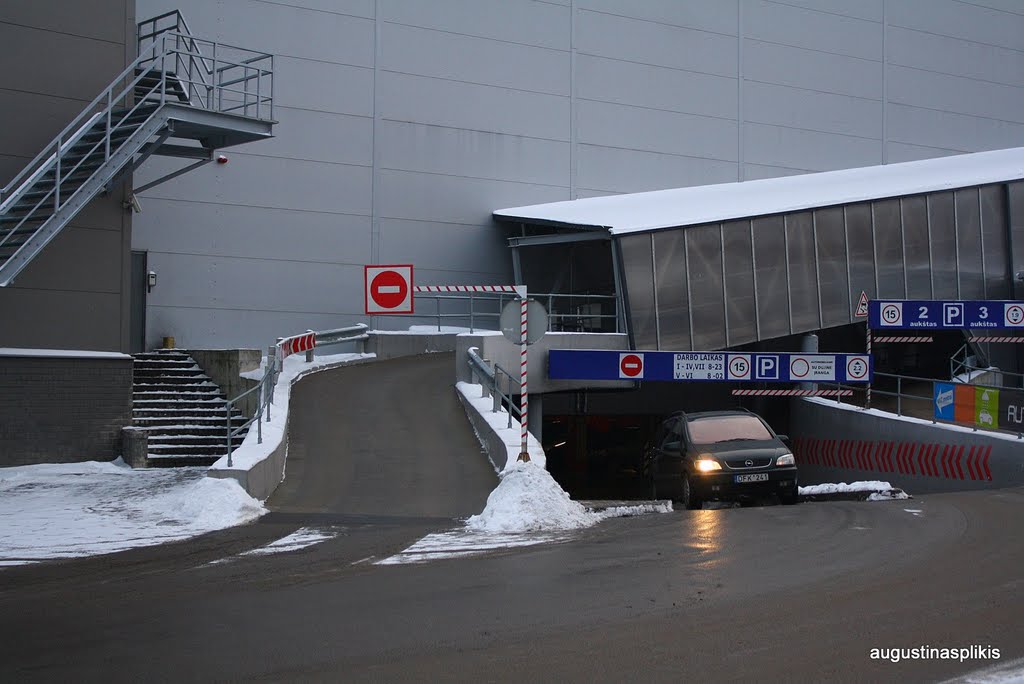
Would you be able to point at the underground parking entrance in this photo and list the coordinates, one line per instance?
(595, 439)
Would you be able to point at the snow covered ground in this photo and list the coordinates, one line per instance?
(85, 509)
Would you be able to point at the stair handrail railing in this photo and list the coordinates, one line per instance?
(183, 36)
(100, 106)
(49, 160)
(151, 53)
(489, 381)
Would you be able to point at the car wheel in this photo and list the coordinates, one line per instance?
(690, 499)
(789, 498)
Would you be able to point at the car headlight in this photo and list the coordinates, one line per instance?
(785, 459)
(706, 465)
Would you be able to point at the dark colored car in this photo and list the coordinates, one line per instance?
(719, 455)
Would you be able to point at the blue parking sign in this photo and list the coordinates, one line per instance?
(944, 394)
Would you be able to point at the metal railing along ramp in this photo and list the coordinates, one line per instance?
(206, 94)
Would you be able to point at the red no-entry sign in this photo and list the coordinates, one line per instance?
(631, 366)
(389, 289)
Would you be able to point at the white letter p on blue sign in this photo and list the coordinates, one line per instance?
(767, 368)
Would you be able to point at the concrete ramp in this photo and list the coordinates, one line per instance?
(387, 438)
(842, 443)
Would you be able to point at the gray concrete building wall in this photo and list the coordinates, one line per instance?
(55, 57)
(403, 124)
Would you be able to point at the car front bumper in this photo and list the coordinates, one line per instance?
(723, 485)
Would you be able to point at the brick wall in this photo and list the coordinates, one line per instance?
(62, 410)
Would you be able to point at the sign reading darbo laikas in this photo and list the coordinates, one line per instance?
(906, 314)
(592, 364)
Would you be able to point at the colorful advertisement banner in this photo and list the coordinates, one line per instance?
(945, 402)
(963, 399)
(986, 407)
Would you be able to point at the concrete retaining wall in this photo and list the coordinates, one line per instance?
(224, 366)
(840, 443)
(392, 346)
(261, 478)
(492, 442)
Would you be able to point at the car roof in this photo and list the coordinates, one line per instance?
(711, 414)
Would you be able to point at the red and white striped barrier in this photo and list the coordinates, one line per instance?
(948, 461)
(904, 339)
(989, 338)
(791, 393)
(466, 288)
(297, 343)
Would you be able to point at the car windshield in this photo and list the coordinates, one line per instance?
(715, 429)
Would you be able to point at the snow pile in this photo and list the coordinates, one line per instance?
(881, 491)
(84, 509)
(842, 487)
(891, 495)
(528, 499)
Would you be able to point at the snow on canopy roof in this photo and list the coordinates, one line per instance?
(642, 211)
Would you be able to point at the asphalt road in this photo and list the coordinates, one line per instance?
(769, 594)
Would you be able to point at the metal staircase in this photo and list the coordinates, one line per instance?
(202, 94)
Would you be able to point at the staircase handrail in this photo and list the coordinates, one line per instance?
(74, 138)
(103, 104)
(50, 152)
(183, 34)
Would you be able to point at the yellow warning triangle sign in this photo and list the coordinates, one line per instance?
(862, 305)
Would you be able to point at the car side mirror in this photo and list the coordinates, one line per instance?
(673, 446)
(784, 439)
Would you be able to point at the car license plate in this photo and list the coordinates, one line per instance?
(753, 477)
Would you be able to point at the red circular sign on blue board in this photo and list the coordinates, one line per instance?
(631, 366)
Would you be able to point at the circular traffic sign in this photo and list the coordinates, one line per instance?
(892, 314)
(856, 368)
(631, 365)
(739, 367)
(389, 289)
(1014, 314)
(511, 321)
(799, 368)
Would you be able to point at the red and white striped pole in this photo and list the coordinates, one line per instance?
(867, 394)
(524, 394)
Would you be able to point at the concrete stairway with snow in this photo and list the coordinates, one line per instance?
(182, 410)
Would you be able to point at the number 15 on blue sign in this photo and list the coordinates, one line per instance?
(906, 314)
